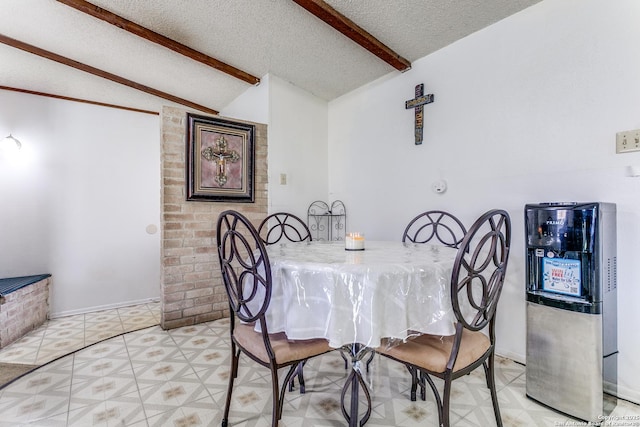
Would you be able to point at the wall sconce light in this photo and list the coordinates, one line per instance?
(10, 144)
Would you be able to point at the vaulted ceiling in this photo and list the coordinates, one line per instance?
(119, 51)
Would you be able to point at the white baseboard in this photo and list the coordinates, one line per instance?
(631, 395)
(520, 358)
(102, 307)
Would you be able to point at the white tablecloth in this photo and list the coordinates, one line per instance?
(390, 289)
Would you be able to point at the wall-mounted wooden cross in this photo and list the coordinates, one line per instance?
(418, 103)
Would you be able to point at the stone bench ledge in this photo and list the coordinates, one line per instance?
(12, 284)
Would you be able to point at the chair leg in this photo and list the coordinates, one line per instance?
(235, 355)
(371, 356)
(489, 370)
(300, 375)
(346, 362)
(446, 401)
(417, 379)
(287, 380)
(275, 391)
(414, 382)
(426, 378)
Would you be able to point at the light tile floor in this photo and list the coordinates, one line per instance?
(64, 335)
(152, 377)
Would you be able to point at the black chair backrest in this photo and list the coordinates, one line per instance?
(283, 225)
(443, 226)
(245, 267)
(479, 270)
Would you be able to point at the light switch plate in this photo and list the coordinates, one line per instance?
(628, 141)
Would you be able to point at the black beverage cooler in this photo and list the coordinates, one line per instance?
(571, 294)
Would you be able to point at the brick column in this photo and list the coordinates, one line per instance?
(23, 311)
(191, 289)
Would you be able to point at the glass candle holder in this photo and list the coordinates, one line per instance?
(354, 242)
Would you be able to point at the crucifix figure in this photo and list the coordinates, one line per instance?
(418, 103)
(220, 156)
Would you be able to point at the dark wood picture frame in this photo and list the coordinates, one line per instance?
(220, 160)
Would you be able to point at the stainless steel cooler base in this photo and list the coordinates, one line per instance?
(565, 362)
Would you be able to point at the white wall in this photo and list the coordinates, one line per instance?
(252, 105)
(77, 201)
(525, 111)
(297, 132)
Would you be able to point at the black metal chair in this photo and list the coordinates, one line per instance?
(287, 226)
(476, 284)
(283, 225)
(427, 227)
(439, 225)
(246, 274)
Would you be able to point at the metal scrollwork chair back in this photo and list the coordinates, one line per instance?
(434, 226)
(287, 226)
(283, 225)
(246, 274)
(476, 285)
(438, 225)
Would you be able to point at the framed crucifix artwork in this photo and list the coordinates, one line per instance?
(220, 160)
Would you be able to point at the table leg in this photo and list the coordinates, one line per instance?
(355, 381)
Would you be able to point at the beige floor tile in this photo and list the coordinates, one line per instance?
(152, 377)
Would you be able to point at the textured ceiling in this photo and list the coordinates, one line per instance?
(256, 36)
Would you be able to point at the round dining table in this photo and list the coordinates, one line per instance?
(355, 298)
(387, 290)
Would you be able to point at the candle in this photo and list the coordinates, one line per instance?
(354, 242)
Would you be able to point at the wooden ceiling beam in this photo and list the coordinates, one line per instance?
(152, 36)
(100, 73)
(84, 101)
(350, 29)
